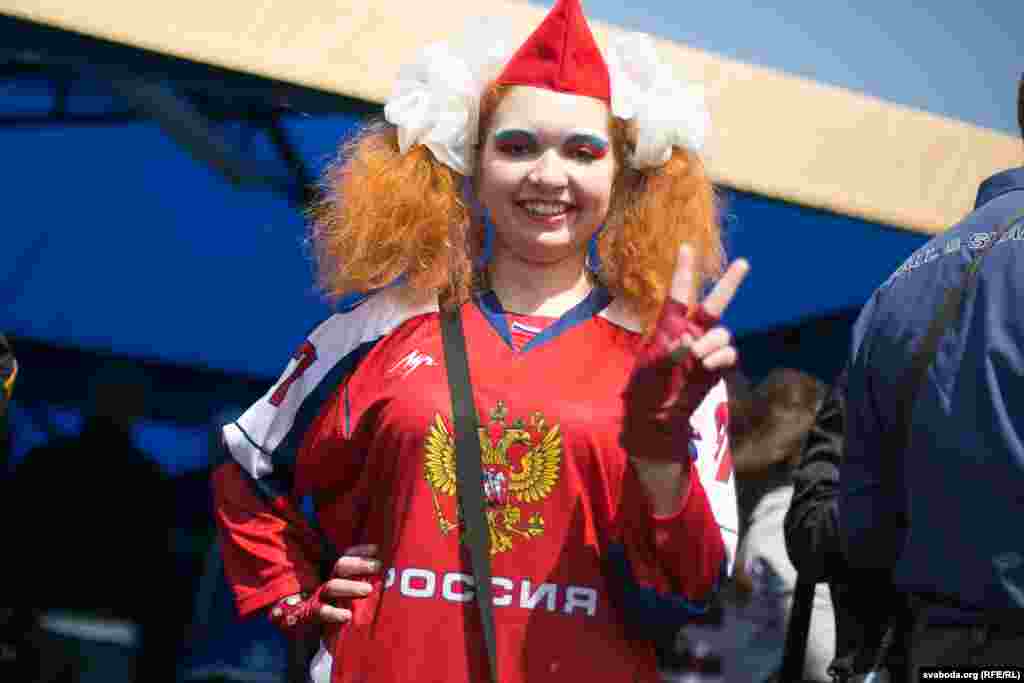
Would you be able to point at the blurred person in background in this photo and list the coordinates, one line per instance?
(865, 603)
(8, 376)
(780, 414)
(94, 545)
(596, 371)
(769, 425)
(17, 663)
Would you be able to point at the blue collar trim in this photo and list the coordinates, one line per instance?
(495, 313)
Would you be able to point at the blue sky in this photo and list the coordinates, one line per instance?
(958, 59)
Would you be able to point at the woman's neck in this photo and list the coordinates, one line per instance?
(539, 288)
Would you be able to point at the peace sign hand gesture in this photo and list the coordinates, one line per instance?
(685, 356)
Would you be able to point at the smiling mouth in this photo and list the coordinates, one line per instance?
(546, 212)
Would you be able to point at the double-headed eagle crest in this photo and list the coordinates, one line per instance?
(504, 483)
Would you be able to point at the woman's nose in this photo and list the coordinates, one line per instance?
(549, 171)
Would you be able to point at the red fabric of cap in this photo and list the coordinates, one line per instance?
(561, 55)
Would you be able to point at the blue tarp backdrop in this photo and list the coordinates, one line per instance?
(115, 239)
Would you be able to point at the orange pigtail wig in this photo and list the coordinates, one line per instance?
(387, 215)
(652, 214)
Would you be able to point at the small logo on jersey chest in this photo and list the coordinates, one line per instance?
(412, 360)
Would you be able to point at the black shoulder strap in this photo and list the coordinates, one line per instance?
(920, 360)
(795, 649)
(469, 474)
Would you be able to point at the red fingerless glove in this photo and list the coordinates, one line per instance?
(664, 391)
(297, 612)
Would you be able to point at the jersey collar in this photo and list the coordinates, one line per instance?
(494, 312)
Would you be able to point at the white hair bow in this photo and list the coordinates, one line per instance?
(436, 99)
(667, 113)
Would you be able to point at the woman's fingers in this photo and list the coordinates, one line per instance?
(725, 289)
(349, 565)
(714, 350)
(322, 607)
(329, 614)
(721, 359)
(341, 589)
(716, 338)
(683, 283)
(365, 550)
(356, 560)
(336, 590)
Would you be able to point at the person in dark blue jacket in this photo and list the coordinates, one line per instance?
(943, 514)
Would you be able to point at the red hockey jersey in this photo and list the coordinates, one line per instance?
(360, 422)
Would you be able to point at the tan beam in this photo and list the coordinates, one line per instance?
(775, 134)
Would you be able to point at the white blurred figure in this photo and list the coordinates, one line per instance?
(745, 645)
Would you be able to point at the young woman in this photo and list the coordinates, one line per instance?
(562, 208)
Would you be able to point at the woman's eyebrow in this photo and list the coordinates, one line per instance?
(509, 133)
(589, 139)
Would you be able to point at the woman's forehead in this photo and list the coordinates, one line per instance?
(537, 109)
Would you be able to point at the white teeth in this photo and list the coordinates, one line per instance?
(546, 208)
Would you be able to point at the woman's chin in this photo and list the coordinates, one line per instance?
(546, 249)
(561, 240)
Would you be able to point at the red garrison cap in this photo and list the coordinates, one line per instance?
(561, 55)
